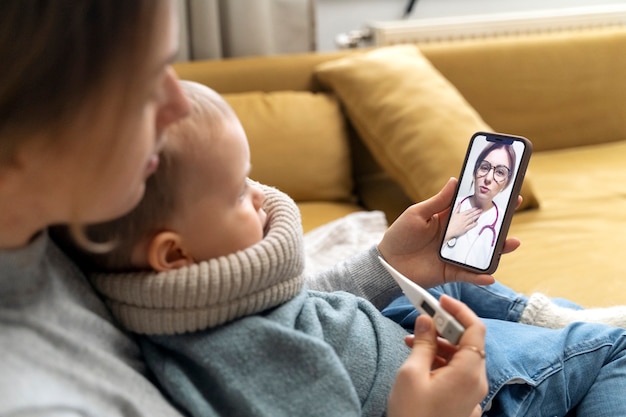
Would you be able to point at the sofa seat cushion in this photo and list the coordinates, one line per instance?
(413, 120)
(577, 239)
(298, 143)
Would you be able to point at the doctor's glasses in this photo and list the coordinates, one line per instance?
(500, 172)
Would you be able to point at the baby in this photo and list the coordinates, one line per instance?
(208, 270)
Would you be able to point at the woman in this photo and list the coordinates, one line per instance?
(471, 234)
(86, 94)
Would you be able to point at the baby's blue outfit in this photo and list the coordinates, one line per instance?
(318, 354)
(536, 371)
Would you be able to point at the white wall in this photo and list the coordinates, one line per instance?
(340, 16)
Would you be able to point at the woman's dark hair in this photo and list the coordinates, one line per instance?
(57, 55)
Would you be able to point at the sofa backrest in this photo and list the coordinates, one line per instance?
(552, 87)
(558, 89)
(264, 73)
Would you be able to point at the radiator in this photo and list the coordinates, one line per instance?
(426, 30)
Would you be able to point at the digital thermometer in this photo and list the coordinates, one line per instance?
(447, 326)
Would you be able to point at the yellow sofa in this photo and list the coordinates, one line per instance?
(376, 129)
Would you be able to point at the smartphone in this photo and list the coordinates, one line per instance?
(485, 200)
(447, 326)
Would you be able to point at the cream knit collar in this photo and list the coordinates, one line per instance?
(214, 292)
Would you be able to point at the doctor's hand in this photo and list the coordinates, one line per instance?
(439, 379)
(460, 222)
(411, 244)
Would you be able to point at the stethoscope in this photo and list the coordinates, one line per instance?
(491, 226)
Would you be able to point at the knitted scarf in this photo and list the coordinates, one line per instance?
(214, 292)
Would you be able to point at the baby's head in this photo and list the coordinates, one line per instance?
(198, 205)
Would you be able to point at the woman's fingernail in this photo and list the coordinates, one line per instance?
(422, 325)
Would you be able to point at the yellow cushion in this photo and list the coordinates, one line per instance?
(298, 143)
(414, 121)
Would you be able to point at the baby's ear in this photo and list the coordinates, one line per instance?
(165, 252)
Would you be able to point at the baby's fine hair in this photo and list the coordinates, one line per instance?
(162, 196)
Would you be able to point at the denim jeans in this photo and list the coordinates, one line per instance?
(579, 370)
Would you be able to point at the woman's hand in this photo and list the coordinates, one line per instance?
(411, 244)
(439, 379)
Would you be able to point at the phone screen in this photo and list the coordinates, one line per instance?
(485, 200)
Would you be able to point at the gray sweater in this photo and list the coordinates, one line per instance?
(60, 353)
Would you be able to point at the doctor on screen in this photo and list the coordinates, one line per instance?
(471, 234)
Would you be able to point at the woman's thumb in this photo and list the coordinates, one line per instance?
(424, 342)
